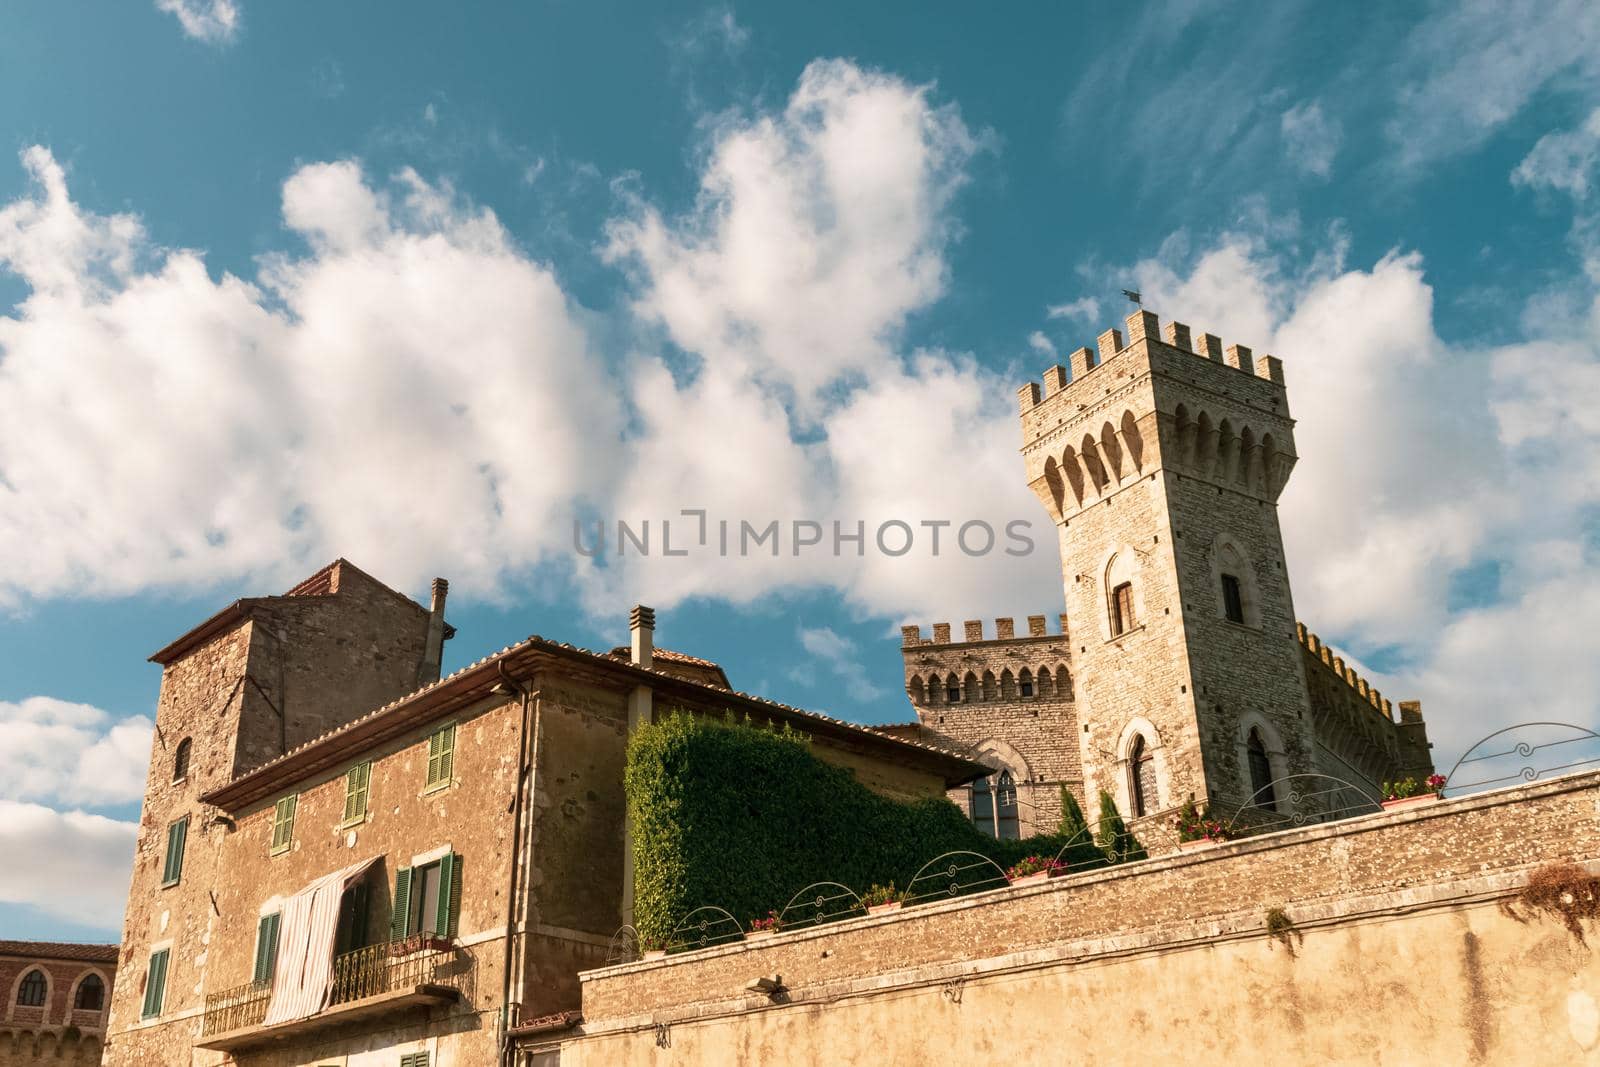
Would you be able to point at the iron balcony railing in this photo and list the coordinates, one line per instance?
(236, 1008)
(365, 972)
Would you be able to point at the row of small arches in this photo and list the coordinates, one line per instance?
(972, 688)
(1094, 463)
(1227, 452)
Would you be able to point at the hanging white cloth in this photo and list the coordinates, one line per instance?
(305, 946)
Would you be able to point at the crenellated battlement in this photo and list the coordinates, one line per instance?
(972, 632)
(1146, 326)
(1324, 654)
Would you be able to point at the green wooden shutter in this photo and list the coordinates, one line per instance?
(441, 755)
(447, 754)
(266, 947)
(449, 913)
(400, 919)
(177, 835)
(356, 783)
(283, 823)
(155, 984)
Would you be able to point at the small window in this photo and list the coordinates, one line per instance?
(30, 994)
(177, 835)
(91, 994)
(983, 806)
(1141, 778)
(180, 760)
(952, 692)
(283, 824)
(1005, 802)
(414, 1059)
(266, 948)
(356, 782)
(427, 899)
(1122, 609)
(1262, 793)
(1232, 601)
(155, 985)
(441, 757)
(351, 932)
(1025, 687)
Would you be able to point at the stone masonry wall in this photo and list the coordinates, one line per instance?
(403, 823)
(1034, 737)
(1397, 945)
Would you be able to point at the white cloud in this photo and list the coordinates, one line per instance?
(72, 754)
(818, 231)
(1084, 309)
(77, 864)
(416, 393)
(1042, 345)
(1565, 160)
(838, 655)
(1310, 138)
(1476, 64)
(211, 21)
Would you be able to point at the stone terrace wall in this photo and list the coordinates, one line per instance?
(1137, 936)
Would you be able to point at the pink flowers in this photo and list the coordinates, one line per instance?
(1035, 865)
(771, 923)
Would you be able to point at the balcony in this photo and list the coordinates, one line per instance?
(384, 979)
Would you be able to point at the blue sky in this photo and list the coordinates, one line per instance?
(418, 286)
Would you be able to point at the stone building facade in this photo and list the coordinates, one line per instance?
(1160, 459)
(345, 859)
(57, 999)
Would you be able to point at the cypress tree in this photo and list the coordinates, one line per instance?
(1116, 840)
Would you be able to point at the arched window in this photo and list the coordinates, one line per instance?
(1006, 808)
(1122, 609)
(91, 994)
(1232, 598)
(180, 761)
(983, 806)
(952, 690)
(1262, 794)
(30, 994)
(1025, 683)
(1141, 778)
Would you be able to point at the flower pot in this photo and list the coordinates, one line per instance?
(883, 909)
(1406, 802)
(757, 935)
(1032, 879)
(655, 954)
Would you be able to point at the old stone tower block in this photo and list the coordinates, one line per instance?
(1160, 457)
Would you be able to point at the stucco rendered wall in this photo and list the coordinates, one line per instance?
(1401, 952)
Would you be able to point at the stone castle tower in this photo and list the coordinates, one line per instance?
(1160, 459)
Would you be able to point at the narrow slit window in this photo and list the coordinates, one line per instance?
(1232, 600)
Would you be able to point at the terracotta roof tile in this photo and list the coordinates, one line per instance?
(60, 950)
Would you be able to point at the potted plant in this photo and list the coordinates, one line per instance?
(1034, 869)
(760, 928)
(882, 898)
(1409, 791)
(655, 948)
(1197, 830)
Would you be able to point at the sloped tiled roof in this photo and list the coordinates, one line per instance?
(60, 950)
(391, 719)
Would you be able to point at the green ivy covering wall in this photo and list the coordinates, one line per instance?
(744, 817)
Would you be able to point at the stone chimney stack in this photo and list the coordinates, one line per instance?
(642, 624)
(433, 648)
